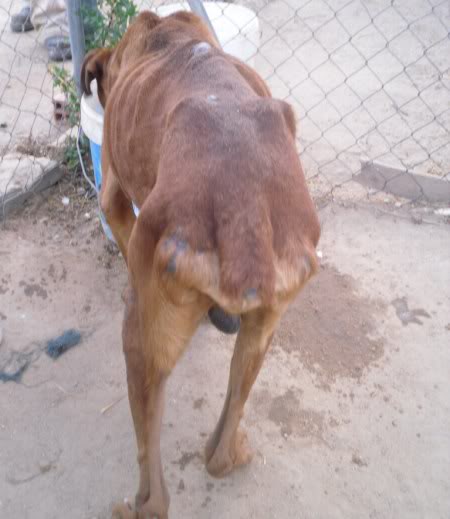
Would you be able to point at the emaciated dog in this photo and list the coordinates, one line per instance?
(193, 138)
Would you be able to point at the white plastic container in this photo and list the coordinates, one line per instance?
(237, 29)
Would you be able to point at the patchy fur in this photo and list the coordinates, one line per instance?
(194, 139)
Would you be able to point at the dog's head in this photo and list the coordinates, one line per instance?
(148, 33)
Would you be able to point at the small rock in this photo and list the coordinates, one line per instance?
(319, 254)
(357, 460)
(65, 201)
(45, 466)
(87, 216)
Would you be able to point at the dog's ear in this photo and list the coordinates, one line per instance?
(95, 66)
(149, 18)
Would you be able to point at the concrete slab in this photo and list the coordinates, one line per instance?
(21, 176)
(404, 183)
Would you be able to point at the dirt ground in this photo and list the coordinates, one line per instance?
(350, 416)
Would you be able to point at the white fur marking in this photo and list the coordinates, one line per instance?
(201, 48)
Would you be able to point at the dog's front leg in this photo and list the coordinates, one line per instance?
(118, 210)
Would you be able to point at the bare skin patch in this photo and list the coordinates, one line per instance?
(251, 293)
(201, 48)
(180, 247)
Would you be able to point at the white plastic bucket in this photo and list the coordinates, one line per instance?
(92, 124)
(237, 29)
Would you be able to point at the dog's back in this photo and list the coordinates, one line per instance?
(211, 161)
(231, 187)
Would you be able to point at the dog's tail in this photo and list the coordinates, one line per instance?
(246, 257)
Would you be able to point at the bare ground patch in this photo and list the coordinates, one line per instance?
(330, 328)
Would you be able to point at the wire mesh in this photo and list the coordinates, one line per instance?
(369, 82)
(31, 110)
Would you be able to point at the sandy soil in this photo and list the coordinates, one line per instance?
(350, 416)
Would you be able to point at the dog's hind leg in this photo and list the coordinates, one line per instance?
(228, 446)
(118, 211)
(161, 317)
(136, 377)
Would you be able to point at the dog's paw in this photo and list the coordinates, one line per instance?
(140, 500)
(223, 460)
(123, 511)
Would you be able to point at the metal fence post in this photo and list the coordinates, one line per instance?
(198, 8)
(76, 28)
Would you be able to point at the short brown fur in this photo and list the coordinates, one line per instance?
(194, 139)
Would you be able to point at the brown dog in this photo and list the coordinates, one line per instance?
(194, 139)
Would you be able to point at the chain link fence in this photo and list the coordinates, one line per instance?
(369, 81)
(32, 122)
